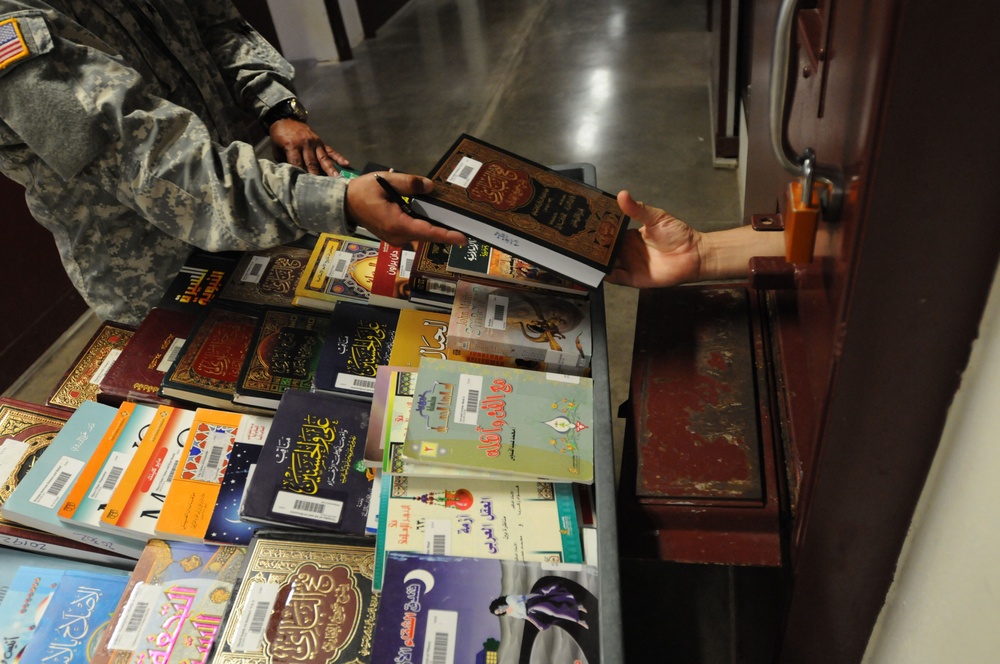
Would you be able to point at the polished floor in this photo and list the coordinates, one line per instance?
(621, 84)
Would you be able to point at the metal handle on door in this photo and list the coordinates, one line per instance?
(830, 176)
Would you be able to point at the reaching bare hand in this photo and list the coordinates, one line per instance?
(665, 251)
(296, 143)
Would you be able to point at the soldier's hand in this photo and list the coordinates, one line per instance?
(296, 143)
(368, 205)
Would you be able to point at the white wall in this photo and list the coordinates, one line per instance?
(944, 605)
(303, 28)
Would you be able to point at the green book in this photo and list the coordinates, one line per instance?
(508, 421)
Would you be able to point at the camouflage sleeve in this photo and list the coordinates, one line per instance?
(255, 71)
(154, 156)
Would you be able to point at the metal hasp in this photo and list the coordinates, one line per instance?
(801, 165)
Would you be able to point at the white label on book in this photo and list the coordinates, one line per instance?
(107, 480)
(562, 378)
(437, 537)
(253, 429)
(308, 507)
(102, 370)
(347, 381)
(441, 287)
(371, 524)
(496, 312)
(140, 605)
(470, 391)
(255, 270)
(463, 173)
(340, 264)
(406, 259)
(11, 453)
(257, 607)
(439, 639)
(51, 491)
(170, 356)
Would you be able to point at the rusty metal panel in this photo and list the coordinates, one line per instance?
(694, 397)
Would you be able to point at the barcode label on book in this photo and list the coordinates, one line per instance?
(218, 440)
(496, 312)
(255, 270)
(50, 493)
(11, 454)
(165, 475)
(437, 537)
(108, 479)
(137, 611)
(406, 259)
(439, 639)
(340, 264)
(357, 383)
(170, 356)
(470, 389)
(249, 632)
(463, 173)
(308, 507)
(102, 370)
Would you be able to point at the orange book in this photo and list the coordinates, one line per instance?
(135, 504)
(188, 506)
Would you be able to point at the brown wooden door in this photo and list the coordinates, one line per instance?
(870, 346)
(38, 301)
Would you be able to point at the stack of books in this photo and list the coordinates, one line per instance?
(292, 451)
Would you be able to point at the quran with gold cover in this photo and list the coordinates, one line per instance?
(83, 378)
(304, 598)
(526, 209)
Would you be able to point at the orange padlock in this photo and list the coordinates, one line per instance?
(801, 218)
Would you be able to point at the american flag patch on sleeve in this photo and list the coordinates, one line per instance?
(12, 46)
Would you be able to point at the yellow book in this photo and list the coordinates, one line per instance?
(190, 501)
(421, 334)
(340, 269)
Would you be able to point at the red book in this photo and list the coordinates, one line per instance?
(209, 364)
(391, 283)
(138, 372)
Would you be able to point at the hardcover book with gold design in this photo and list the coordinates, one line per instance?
(82, 380)
(283, 355)
(526, 209)
(302, 598)
(267, 277)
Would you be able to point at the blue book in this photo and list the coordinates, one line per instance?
(23, 606)
(226, 526)
(78, 615)
(310, 473)
(358, 340)
(40, 493)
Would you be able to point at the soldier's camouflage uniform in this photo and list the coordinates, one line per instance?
(122, 120)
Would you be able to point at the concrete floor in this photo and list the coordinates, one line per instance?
(621, 84)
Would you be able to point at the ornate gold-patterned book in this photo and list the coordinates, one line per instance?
(330, 616)
(526, 209)
(82, 380)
